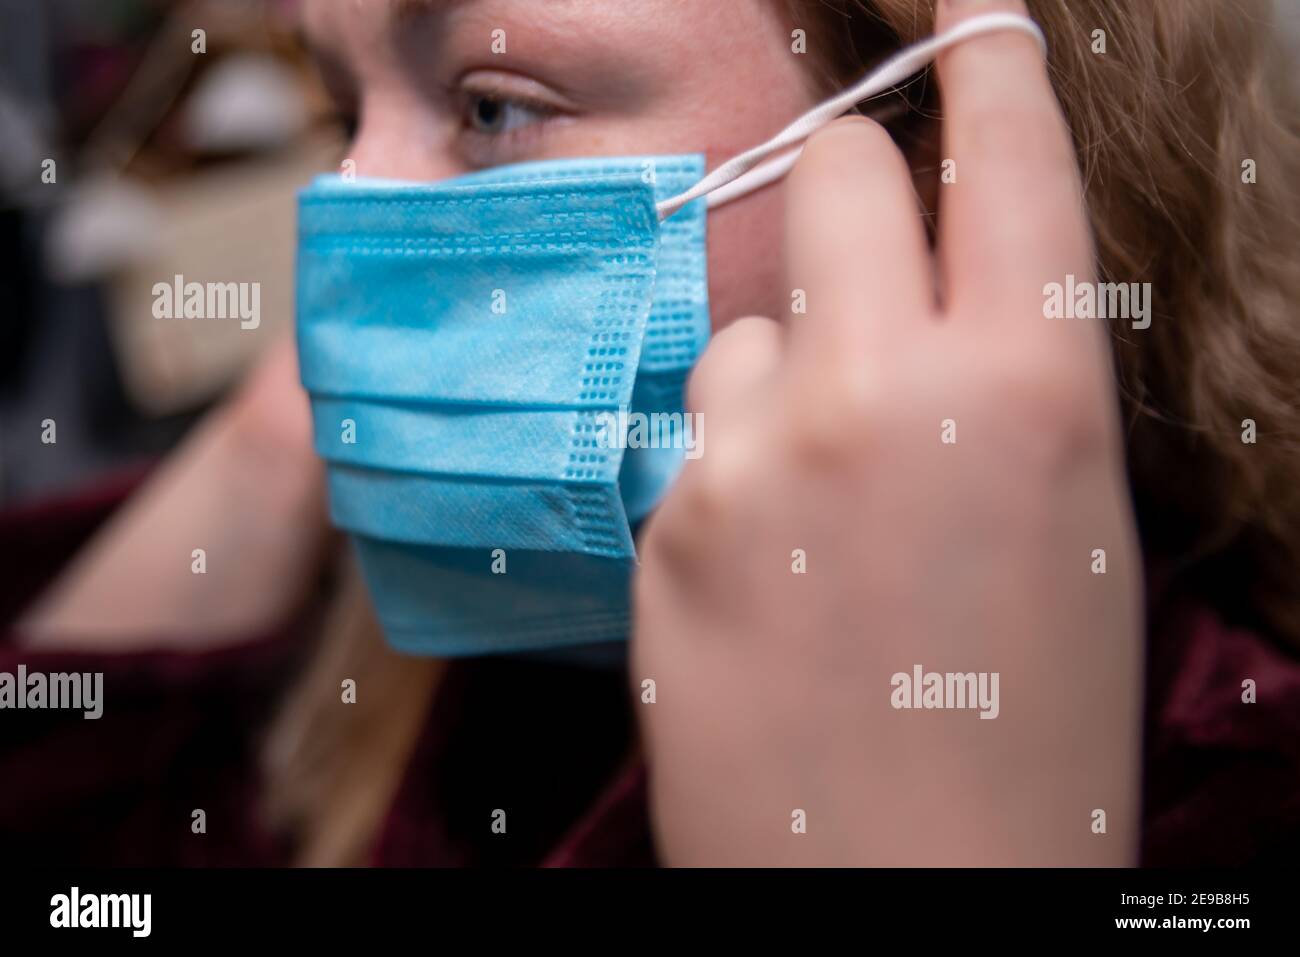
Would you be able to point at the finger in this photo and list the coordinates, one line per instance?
(1011, 219)
(855, 246)
(738, 358)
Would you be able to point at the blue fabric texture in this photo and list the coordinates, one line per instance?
(462, 344)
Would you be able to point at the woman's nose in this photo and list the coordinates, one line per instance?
(401, 139)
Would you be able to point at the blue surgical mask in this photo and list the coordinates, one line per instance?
(464, 344)
(470, 346)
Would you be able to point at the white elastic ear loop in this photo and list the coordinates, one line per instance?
(739, 175)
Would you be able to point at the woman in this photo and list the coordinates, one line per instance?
(950, 470)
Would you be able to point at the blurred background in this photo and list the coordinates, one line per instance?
(134, 149)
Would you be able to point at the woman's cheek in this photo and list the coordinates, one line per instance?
(745, 246)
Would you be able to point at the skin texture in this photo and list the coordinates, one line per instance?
(773, 688)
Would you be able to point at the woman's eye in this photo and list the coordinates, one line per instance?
(494, 115)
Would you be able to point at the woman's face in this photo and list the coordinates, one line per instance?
(575, 78)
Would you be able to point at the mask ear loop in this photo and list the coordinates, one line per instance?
(742, 174)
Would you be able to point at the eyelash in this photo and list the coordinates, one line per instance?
(480, 147)
(474, 101)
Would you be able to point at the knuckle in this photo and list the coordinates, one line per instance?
(1064, 415)
(702, 510)
(836, 418)
(706, 501)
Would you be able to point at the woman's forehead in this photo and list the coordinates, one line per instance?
(559, 25)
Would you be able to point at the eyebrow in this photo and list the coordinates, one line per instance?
(395, 11)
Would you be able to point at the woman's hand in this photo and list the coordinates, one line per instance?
(948, 475)
(246, 488)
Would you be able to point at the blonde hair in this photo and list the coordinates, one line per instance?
(332, 771)
(1185, 93)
